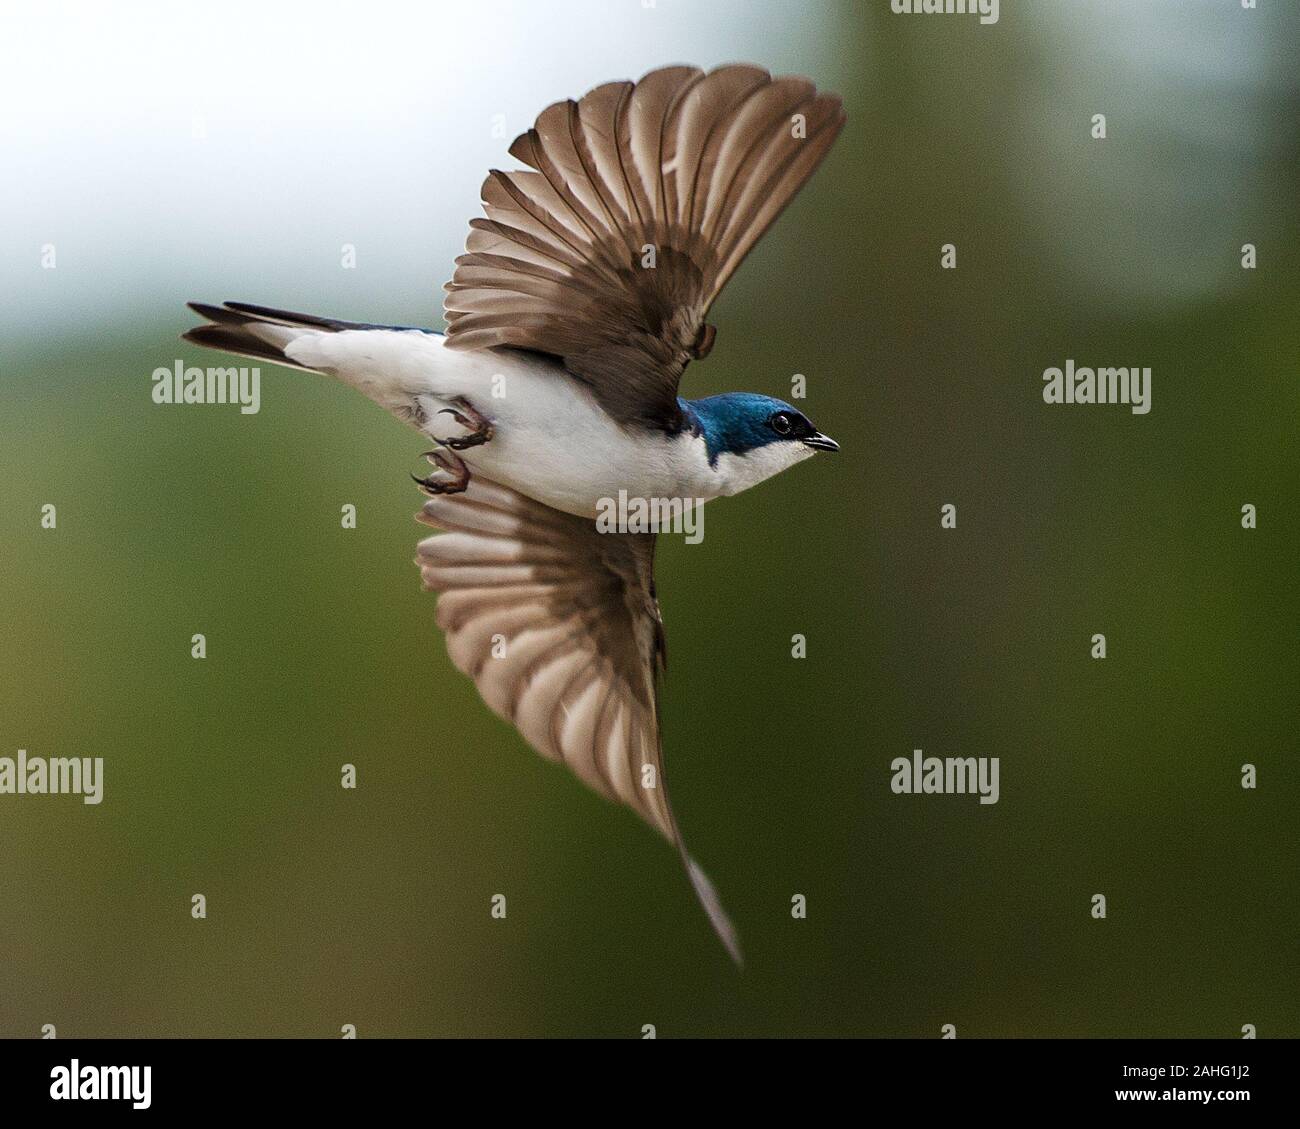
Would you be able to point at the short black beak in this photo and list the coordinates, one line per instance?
(822, 442)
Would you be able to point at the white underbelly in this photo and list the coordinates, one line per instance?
(553, 442)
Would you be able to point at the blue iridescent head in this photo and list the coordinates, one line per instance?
(737, 423)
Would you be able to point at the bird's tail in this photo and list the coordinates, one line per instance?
(256, 331)
(393, 365)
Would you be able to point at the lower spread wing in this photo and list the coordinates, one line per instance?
(558, 626)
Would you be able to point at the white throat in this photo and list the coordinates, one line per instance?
(732, 473)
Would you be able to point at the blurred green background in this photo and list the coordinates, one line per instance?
(328, 907)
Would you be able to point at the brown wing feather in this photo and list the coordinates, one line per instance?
(696, 166)
(559, 628)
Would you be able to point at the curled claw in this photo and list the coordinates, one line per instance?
(459, 417)
(480, 428)
(435, 486)
(448, 464)
(444, 461)
(457, 443)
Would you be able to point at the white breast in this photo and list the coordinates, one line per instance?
(554, 443)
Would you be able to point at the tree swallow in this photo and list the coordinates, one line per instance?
(580, 300)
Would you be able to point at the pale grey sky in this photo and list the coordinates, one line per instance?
(175, 150)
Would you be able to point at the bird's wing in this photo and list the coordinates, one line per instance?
(642, 201)
(559, 627)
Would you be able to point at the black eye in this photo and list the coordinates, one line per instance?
(781, 423)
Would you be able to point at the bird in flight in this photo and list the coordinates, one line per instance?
(579, 302)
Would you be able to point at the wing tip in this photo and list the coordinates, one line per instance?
(718, 918)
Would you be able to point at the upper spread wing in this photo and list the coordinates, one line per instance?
(642, 201)
(559, 627)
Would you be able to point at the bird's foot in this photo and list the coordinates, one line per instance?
(449, 464)
(465, 414)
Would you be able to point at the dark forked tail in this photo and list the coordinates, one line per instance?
(264, 333)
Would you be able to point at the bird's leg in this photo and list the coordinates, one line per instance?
(465, 414)
(449, 464)
(444, 457)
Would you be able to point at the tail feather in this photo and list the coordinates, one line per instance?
(218, 314)
(282, 317)
(254, 331)
(265, 333)
(231, 339)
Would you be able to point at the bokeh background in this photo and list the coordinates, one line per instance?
(175, 151)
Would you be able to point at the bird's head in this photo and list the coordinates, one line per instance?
(751, 437)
